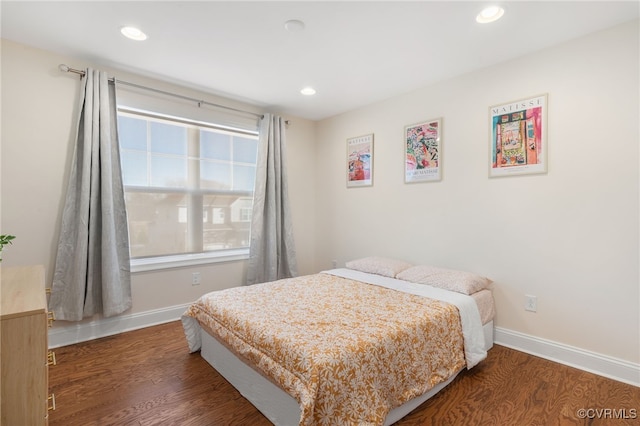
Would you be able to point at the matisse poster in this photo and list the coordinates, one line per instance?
(360, 161)
(423, 151)
(518, 137)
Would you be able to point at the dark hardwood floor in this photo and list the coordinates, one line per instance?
(147, 377)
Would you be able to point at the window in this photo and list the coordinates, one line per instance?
(188, 185)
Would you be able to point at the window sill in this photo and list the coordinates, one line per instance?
(185, 260)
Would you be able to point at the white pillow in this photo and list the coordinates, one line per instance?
(448, 279)
(379, 265)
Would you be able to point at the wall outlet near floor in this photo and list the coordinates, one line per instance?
(530, 303)
(334, 264)
(195, 278)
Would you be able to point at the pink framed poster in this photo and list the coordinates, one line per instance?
(360, 161)
(423, 151)
(518, 142)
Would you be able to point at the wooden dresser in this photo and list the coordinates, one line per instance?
(24, 351)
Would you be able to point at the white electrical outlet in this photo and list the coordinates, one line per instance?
(530, 303)
(334, 264)
(195, 278)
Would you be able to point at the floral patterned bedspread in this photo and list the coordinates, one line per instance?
(348, 351)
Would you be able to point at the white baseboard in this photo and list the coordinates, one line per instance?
(602, 365)
(613, 368)
(63, 335)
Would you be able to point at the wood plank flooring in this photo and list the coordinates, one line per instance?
(147, 377)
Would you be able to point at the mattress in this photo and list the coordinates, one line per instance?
(380, 368)
(486, 305)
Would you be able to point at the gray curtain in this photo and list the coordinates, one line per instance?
(92, 272)
(272, 253)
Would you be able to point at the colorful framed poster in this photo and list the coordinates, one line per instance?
(360, 161)
(423, 151)
(518, 137)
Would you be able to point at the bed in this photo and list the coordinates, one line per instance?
(355, 345)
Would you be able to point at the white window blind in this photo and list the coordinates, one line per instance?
(188, 186)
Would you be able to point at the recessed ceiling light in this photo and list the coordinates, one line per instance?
(308, 91)
(133, 33)
(490, 14)
(294, 25)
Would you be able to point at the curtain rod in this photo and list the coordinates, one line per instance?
(81, 73)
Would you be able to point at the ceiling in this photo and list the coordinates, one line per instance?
(353, 53)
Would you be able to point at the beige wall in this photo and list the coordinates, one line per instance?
(39, 110)
(569, 237)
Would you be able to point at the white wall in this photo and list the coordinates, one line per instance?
(569, 237)
(39, 110)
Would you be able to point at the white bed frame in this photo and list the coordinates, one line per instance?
(277, 405)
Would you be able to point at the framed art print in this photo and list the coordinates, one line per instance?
(423, 151)
(360, 161)
(518, 142)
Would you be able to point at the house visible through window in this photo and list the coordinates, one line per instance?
(188, 185)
